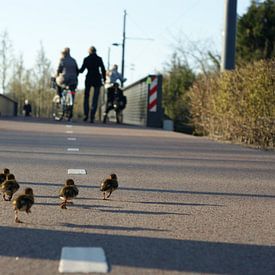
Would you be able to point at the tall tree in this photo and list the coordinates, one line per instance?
(177, 80)
(256, 32)
(5, 59)
(42, 77)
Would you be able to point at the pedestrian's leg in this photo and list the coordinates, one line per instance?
(109, 107)
(94, 104)
(86, 100)
(59, 90)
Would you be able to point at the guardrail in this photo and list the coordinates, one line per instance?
(144, 103)
(8, 107)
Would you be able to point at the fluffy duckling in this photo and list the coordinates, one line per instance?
(4, 175)
(109, 185)
(68, 192)
(2, 178)
(23, 202)
(9, 187)
(6, 171)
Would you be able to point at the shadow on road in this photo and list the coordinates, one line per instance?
(143, 252)
(106, 227)
(160, 190)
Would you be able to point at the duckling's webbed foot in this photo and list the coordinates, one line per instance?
(16, 218)
(5, 199)
(109, 194)
(63, 205)
(18, 221)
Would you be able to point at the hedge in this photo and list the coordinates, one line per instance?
(237, 106)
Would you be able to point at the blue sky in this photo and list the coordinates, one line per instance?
(79, 24)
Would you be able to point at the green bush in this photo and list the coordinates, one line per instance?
(238, 106)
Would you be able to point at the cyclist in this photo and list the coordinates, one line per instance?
(66, 75)
(115, 101)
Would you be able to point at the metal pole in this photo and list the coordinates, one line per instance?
(123, 46)
(109, 53)
(229, 39)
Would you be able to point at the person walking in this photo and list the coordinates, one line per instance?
(27, 108)
(95, 74)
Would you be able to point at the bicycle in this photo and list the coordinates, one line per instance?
(63, 106)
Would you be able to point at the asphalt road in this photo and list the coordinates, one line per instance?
(185, 205)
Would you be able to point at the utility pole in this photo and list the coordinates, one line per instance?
(123, 46)
(229, 39)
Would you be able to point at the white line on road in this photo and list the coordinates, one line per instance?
(83, 259)
(71, 138)
(69, 132)
(72, 149)
(69, 126)
(77, 172)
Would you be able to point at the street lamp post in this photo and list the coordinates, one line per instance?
(123, 46)
(109, 54)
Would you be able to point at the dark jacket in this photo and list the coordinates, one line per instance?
(94, 76)
(116, 96)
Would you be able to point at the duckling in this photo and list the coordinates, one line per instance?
(23, 202)
(2, 178)
(109, 185)
(68, 192)
(9, 187)
(6, 171)
(4, 175)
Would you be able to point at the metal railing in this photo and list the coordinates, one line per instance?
(144, 106)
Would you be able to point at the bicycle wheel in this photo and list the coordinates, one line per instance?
(69, 105)
(58, 112)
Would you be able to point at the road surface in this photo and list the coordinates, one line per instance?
(185, 205)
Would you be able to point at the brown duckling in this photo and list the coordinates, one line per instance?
(109, 185)
(9, 187)
(2, 178)
(23, 202)
(6, 171)
(68, 192)
(4, 175)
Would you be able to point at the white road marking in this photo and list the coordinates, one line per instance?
(71, 138)
(77, 172)
(69, 126)
(73, 149)
(83, 259)
(69, 132)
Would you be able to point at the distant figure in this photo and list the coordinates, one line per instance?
(96, 73)
(113, 75)
(27, 108)
(115, 101)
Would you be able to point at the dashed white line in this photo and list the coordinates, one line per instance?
(77, 172)
(72, 149)
(71, 138)
(69, 132)
(83, 259)
(69, 126)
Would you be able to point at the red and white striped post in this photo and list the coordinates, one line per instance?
(153, 95)
(154, 110)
